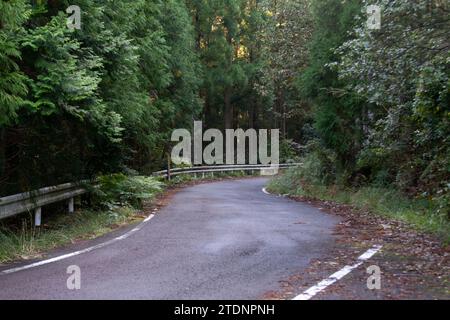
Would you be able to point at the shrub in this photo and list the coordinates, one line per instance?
(121, 190)
(288, 151)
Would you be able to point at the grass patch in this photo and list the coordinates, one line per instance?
(21, 240)
(115, 201)
(421, 214)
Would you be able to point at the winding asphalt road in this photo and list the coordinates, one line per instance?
(220, 240)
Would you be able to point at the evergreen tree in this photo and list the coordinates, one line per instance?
(338, 114)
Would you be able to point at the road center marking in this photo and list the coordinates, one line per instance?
(311, 292)
(77, 253)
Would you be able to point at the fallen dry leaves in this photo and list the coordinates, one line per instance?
(414, 265)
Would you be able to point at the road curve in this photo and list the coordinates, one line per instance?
(220, 240)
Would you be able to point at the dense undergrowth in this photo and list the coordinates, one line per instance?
(314, 180)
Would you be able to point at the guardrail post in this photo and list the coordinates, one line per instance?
(71, 205)
(37, 216)
(168, 167)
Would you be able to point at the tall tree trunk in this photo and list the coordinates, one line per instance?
(253, 114)
(2, 158)
(228, 109)
(206, 110)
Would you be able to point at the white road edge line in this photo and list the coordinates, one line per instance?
(311, 292)
(77, 253)
(271, 194)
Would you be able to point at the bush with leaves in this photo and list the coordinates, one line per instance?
(120, 190)
(403, 70)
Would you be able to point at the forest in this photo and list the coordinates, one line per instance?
(360, 106)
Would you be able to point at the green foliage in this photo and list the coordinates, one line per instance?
(285, 38)
(75, 103)
(371, 106)
(288, 152)
(380, 97)
(219, 31)
(338, 114)
(318, 167)
(421, 214)
(121, 190)
(12, 81)
(24, 241)
(67, 78)
(403, 69)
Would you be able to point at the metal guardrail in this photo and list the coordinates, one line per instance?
(169, 173)
(35, 200)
